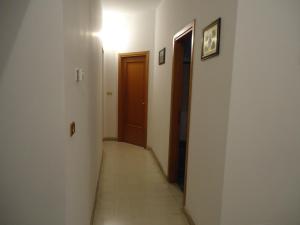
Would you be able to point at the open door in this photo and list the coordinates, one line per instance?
(181, 105)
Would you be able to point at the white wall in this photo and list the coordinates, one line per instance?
(32, 154)
(83, 100)
(210, 101)
(46, 176)
(137, 34)
(262, 179)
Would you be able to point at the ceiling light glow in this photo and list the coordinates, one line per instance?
(115, 32)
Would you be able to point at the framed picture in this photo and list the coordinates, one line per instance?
(162, 56)
(211, 40)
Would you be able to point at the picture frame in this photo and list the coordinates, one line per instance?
(162, 56)
(211, 40)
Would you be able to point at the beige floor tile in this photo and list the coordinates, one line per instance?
(134, 192)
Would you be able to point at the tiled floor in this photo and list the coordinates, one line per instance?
(134, 192)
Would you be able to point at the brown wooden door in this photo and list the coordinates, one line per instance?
(133, 93)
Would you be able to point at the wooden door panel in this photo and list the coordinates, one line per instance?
(134, 135)
(135, 94)
(133, 90)
(134, 120)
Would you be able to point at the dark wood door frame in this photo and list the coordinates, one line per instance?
(174, 128)
(121, 95)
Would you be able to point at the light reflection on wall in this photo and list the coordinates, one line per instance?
(115, 31)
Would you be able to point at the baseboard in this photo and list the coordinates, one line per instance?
(110, 139)
(157, 161)
(97, 190)
(188, 216)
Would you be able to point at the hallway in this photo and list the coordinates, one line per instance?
(211, 87)
(133, 190)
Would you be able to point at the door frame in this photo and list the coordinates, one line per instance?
(121, 97)
(173, 152)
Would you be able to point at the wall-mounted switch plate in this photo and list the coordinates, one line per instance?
(72, 129)
(79, 75)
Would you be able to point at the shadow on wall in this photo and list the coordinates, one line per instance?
(12, 13)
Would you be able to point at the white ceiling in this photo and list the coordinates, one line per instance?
(130, 6)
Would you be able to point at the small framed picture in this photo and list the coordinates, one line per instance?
(211, 40)
(162, 56)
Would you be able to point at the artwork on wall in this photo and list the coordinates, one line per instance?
(162, 56)
(211, 40)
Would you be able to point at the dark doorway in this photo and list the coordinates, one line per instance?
(180, 108)
(184, 107)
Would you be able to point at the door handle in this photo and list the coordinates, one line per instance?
(143, 103)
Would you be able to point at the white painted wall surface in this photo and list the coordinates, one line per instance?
(32, 154)
(47, 177)
(262, 180)
(210, 101)
(136, 33)
(110, 101)
(82, 19)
